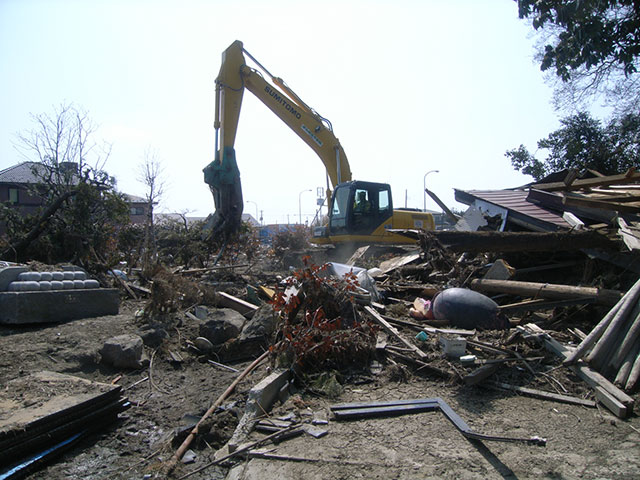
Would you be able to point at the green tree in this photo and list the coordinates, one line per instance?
(81, 209)
(582, 142)
(591, 46)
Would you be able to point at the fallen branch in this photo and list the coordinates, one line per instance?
(273, 436)
(185, 445)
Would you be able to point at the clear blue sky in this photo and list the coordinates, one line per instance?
(409, 86)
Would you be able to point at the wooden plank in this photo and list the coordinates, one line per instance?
(357, 255)
(245, 308)
(618, 402)
(392, 331)
(449, 331)
(542, 304)
(452, 216)
(555, 397)
(397, 262)
(211, 269)
(600, 204)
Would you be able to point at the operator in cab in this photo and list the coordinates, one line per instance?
(362, 205)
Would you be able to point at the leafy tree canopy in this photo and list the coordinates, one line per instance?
(593, 46)
(583, 142)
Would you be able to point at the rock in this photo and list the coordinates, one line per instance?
(154, 337)
(261, 325)
(255, 336)
(203, 344)
(223, 324)
(123, 351)
(189, 457)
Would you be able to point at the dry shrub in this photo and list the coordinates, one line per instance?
(296, 238)
(170, 293)
(321, 328)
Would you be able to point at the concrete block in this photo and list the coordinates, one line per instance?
(8, 275)
(57, 306)
(260, 399)
(123, 351)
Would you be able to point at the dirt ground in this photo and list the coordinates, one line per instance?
(582, 442)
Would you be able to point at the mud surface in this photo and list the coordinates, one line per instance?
(582, 442)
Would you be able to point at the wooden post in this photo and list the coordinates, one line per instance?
(607, 340)
(547, 290)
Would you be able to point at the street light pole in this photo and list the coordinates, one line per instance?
(250, 201)
(300, 204)
(424, 187)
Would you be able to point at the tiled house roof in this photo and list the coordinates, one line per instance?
(21, 173)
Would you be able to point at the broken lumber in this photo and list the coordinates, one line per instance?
(629, 177)
(547, 290)
(173, 461)
(475, 242)
(392, 331)
(211, 269)
(452, 216)
(618, 402)
(542, 304)
(245, 308)
(555, 397)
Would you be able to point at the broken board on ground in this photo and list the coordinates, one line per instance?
(44, 413)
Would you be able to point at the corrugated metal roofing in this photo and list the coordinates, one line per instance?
(516, 201)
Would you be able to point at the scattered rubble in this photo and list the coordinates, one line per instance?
(538, 308)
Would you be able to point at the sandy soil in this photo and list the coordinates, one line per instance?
(582, 442)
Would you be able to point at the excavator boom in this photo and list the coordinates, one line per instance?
(222, 175)
(350, 221)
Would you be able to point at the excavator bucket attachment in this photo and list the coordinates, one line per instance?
(223, 178)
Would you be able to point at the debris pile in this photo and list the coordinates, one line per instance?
(57, 411)
(612, 347)
(321, 328)
(535, 294)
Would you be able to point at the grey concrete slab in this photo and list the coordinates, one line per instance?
(57, 306)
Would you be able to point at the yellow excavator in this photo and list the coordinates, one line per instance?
(359, 212)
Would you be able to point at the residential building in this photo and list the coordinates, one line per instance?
(17, 182)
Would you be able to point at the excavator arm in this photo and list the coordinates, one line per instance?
(222, 175)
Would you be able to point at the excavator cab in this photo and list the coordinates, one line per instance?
(358, 208)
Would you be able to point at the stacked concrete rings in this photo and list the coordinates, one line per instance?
(44, 281)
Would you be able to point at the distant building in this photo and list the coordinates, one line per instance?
(138, 208)
(17, 182)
